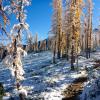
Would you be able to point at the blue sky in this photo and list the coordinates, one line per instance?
(96, 13)
(39, 15)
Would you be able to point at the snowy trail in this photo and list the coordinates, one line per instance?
(75, 89)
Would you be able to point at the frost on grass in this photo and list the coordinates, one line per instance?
(92, 88)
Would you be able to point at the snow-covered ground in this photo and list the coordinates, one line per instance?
(44, 80)
(92, 86)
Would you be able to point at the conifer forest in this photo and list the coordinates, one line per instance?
(49, 50)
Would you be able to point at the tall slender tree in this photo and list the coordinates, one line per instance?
(17, 7)
(74, 20)
(89, 7)
(57, 24)
(67, 26)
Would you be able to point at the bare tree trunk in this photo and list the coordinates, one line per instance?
(59, 48)
(67, 47)
(72, 50)
(54, 51)
(72, 58)
(87, 45)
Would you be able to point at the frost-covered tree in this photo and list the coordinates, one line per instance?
(4, 36)
(57, 24)
(3, 19)
(66, 26)
(72, 27)
(3, 16)
(13, 60)
(88, 26)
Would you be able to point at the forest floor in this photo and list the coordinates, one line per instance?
(47, 81)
